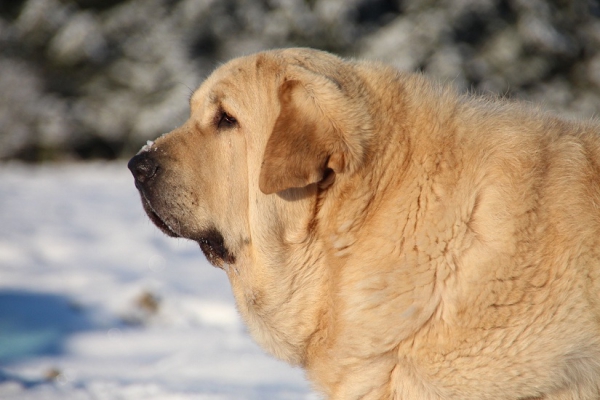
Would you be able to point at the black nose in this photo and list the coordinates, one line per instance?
(143, 167)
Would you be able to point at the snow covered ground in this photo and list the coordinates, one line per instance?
(96, 303)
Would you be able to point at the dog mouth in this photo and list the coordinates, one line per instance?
(211, 241)
(213, 246)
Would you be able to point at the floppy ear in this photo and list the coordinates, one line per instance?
(315, 133)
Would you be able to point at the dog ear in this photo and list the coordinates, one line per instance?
(316, 133)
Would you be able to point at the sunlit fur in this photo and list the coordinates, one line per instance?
(392, 237)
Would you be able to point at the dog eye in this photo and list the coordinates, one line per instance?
(225, 121)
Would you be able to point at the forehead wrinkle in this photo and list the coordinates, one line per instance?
(214, 98)
(224, 87)
(227, 92)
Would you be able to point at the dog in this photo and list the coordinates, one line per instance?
(392, 237)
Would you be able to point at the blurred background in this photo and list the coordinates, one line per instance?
(95, 303)
(83, 79)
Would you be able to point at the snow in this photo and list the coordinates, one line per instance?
(96, 303)
(146, 147)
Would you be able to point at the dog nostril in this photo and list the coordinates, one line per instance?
(142, 167)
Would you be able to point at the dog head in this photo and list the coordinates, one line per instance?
(269, 135)
(265, 134)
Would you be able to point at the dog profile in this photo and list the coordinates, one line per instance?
(395, 239)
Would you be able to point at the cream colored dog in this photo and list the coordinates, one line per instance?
(393, 238)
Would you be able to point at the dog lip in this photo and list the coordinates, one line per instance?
(157, 220)
(212, 244)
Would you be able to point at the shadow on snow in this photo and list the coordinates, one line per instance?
(37, 324)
